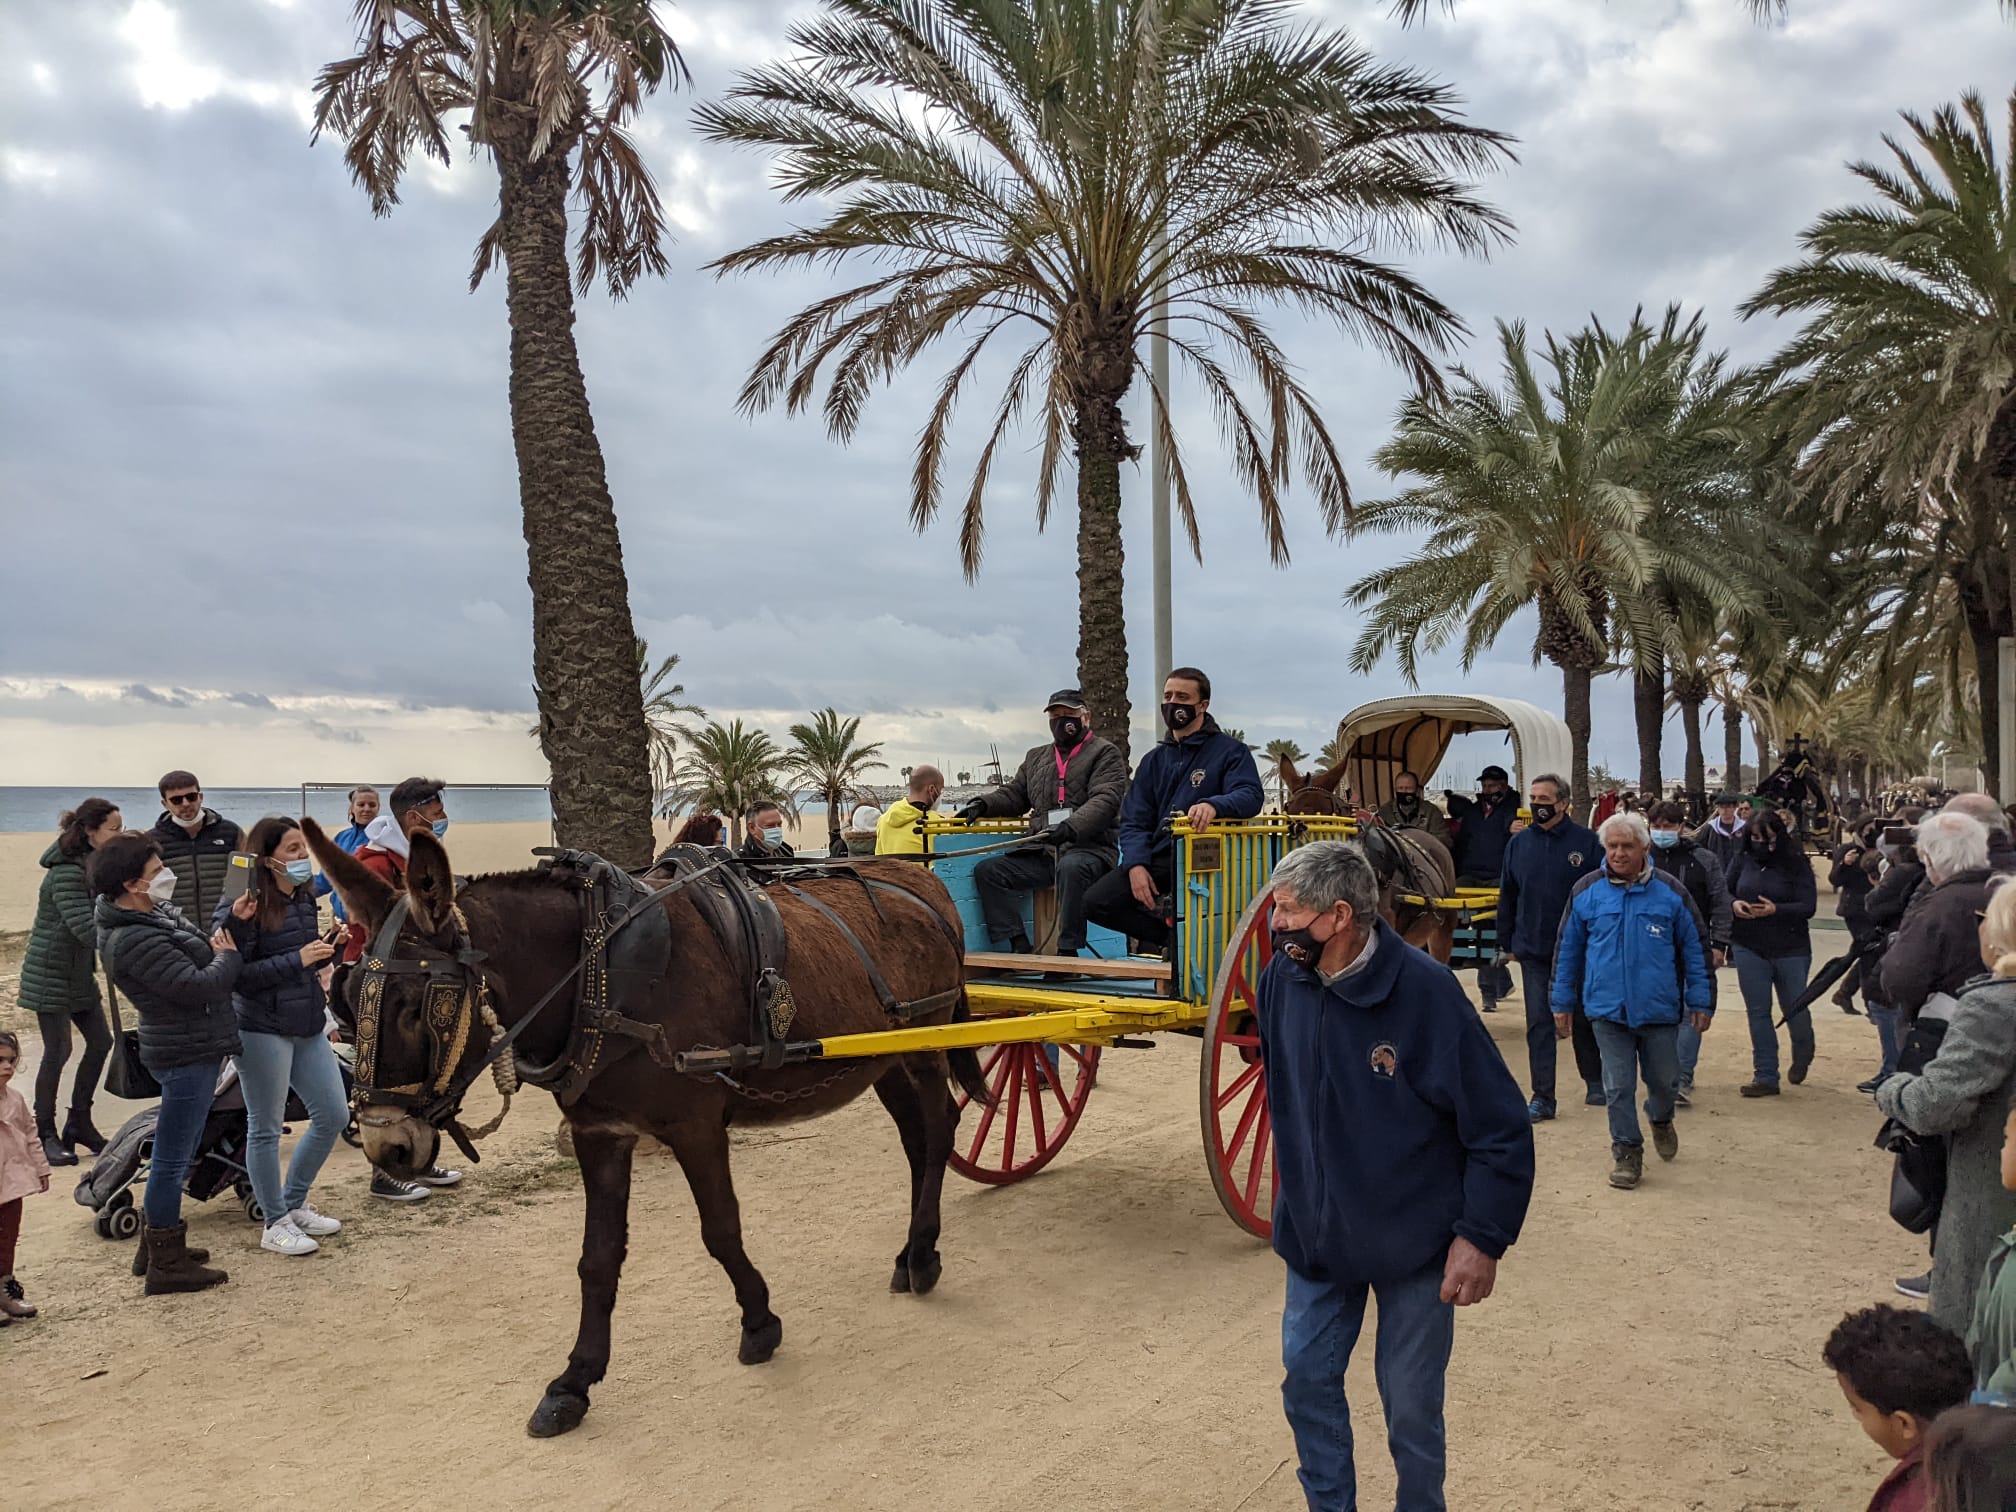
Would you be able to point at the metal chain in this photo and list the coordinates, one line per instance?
(770, 1095)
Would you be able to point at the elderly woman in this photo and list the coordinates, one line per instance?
(1964, 1094)
(1936, 949)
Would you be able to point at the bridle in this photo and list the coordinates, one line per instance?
(455, 1001)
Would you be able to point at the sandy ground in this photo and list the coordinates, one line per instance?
(476, 848)
(1103, 1337)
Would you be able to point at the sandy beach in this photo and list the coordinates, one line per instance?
(476, 848)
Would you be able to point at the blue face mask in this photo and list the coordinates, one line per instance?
(440, 828)
(302, 871)
(1665, 839)
(774, 837)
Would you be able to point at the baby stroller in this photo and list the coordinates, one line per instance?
(107, 1187)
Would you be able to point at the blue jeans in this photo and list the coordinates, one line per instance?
(1758, 976)
(1657, 1048)
(267, 1065)
(186, 1092)
(1885, 1020)
(1319, 1327)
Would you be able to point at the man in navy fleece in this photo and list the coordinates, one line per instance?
(1197, 771)
(1405, 1159)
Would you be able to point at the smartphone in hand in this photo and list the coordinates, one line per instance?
(239, 875)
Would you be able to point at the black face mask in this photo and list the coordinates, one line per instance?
(1543, 813)
(1762, 847)
(1492, 800)
(1407, 802)
(1067, 731)
(1179, 717)
(1300, 945)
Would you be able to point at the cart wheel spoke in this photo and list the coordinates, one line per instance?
(1238, 1131)
(1036, 1106)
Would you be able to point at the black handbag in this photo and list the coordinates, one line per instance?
(125, 1075)
(1918, 1168)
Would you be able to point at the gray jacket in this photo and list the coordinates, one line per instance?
(1964, 1094)
(1095, 783)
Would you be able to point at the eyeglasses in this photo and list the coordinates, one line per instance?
(178, 799)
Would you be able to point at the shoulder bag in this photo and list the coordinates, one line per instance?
(125, 1075)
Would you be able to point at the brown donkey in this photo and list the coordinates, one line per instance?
(518, 937)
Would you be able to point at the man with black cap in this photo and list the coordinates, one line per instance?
(1409, 810)
(1483, 826)
(1071, 789)
(1722, 835)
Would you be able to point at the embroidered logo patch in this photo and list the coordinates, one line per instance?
(1197, 778)
(1574, 858)
(1385, 1060)
(1656, 930)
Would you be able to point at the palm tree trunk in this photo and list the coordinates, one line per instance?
(1697, 760)
(584, 647)
(1100, 436)
(1732, 746)
(1763, 750)
(1648, 700)
(1575, 711)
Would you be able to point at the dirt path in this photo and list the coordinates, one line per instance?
(1103, 1338)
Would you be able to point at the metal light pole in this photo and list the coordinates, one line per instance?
(1158, 372)
(2005, 686)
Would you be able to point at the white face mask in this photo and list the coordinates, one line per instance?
(191, 825)
(161, 886)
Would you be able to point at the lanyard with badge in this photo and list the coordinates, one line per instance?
(1063, 811)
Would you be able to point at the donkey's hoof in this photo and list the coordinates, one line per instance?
(900, 1282)
(557, 1413)
(925, 1276)
(758, 1344)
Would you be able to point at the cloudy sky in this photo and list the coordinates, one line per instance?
(256, 476)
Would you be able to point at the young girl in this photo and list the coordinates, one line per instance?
(24, 1171)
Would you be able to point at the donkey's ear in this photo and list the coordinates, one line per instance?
(430, 882)
(1291, 780)
(1330, 779)
(365, 897)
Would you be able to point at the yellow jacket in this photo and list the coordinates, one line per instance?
(896, 831)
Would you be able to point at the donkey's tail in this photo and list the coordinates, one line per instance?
(965, 1063)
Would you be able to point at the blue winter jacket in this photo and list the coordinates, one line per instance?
(349, 841)
(1632, 954)
(1542, 867)
(1209, 767)
(1397, 1127)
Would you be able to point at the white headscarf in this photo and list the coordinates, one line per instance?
(384, 832)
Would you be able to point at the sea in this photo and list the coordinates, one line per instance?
(36, 810)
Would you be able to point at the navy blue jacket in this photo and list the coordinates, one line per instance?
(1397, 1127)
(1633, 954)
(1210, 767)
(1787, 881)
(1541, 870)
(275, 993)
(1482, 835)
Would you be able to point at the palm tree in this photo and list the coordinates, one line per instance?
(547, 87)
(1531, 497)
(1332, 753)
(1089, 174)
(1901, 388)
(1410, 11)
(665, 711)
(825, 755)
(1283, 750)
(726, 768)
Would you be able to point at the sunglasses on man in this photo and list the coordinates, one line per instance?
(177, 800)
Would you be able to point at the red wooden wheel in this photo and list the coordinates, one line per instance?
(1036, 1106)
(1232, 1091)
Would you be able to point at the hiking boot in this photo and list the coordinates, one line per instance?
(1628, 1167)
(1796, 1072)
(1758, 1089)
(1917, 1288)
(140, 1255)
(283, 1238)
(12, 1303)
(1540, 1109)
(79, 1130)
(169, 1266)
(1666, 1140)
(54, 1150)
(394, 1190)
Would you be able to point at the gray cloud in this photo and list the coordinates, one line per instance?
(276, 428)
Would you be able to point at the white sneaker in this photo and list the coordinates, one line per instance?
(315, 1225)
(283, 1238)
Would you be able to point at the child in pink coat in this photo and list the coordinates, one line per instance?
(24, 1171)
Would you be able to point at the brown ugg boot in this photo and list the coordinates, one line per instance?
(170, 1266)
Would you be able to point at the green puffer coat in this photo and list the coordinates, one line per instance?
(59, 973)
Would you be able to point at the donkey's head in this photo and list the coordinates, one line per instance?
(1315, 794)
(416, 998)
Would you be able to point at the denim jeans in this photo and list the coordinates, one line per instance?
(186, 1093)
(1885, 1020)
(1656, 1048)
(1319, 1327)
(267, 1065)
(1758, 976)
(1537, 982)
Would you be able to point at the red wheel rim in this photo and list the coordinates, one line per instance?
(1036, 1106)
(1238, 1135)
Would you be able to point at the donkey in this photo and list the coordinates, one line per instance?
(1406, 862)
(504, 943)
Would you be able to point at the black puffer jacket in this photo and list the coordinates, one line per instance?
(200, 861)
(164, 967)
(275, 993)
